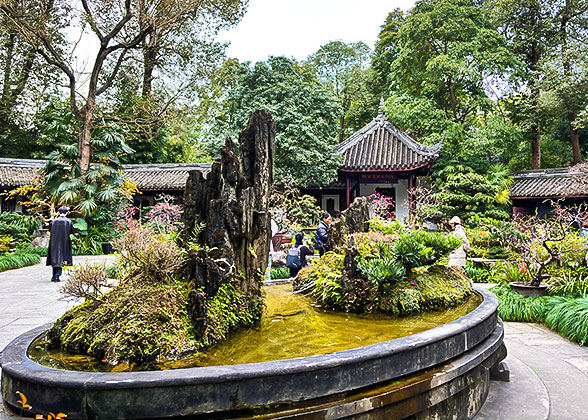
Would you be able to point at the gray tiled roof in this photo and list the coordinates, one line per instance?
(381, 146)
(163, 176)
(558, 182)
(148, 177)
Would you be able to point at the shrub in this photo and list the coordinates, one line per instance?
(569, 317)
(386, 226)
(165, 217)
(19, 258)
(149, 257)
(563, 314)
(5, 243)
(569, 282)
(419, 248)
(477, 274)
(322, 279)
(512, 272)
(514, 307)
(85, 281)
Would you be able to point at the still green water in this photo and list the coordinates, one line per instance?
(291, 327)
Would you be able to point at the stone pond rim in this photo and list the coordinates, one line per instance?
(432, 373)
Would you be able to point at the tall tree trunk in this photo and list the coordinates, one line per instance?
(86, 125)
(341, 128)
(575, 137)
(149, 62)
(536, 148)
(569, 103)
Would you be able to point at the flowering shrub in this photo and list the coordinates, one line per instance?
(382, 206)
(165, 217)
(125, 218)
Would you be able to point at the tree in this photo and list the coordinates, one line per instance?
(24, 86)
(344, 67)
(568, 72)
(386, 50)
(121, 27)
(527, 26)
(448, 50)
(184, 57)
(304, 110)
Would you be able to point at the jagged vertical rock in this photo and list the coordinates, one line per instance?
(353, 219)
(230, 212)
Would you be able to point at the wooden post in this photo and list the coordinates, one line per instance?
(347, 191)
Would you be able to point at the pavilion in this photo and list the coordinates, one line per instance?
(378, 158)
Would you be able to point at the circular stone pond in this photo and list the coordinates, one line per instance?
(300, 362)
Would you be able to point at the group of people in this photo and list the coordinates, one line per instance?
(296, 257)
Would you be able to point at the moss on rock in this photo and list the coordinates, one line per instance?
(140, 321)
(424, 288)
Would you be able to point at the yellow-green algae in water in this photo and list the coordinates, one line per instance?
(291, 327)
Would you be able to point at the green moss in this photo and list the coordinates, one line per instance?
(142, 322)
(228, 310)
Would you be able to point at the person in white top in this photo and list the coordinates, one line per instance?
(457, 257)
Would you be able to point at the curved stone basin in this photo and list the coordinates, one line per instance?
(445, 368)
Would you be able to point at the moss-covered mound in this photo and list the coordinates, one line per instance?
(393, 273)
(136, 321)
(140, 322)
(425, 288)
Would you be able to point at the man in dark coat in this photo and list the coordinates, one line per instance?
(322, 234)
(59, 251)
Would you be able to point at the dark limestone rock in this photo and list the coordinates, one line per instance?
(354, 219)
(228, 211)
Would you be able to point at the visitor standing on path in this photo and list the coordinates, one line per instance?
(457, 257)
(322, 234)
(296, 258)
(59, 252)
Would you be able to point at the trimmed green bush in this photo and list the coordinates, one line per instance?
(280, 273)
(18, 259)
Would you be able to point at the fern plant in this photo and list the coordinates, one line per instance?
(382, 270)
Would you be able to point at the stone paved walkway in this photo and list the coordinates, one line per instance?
(549, 375)
(28, 299)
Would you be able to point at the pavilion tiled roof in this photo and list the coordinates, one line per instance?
(382, 146)
(550, 183)
(148, 177)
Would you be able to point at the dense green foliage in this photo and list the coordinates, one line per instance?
(19, 228)
(304, 110)
(389, 273)
(18, 259)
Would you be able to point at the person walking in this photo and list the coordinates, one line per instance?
(322, 234)
(59, 252)
(296, 257)
(457, 257)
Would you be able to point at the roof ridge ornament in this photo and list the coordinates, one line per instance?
(380, 111)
